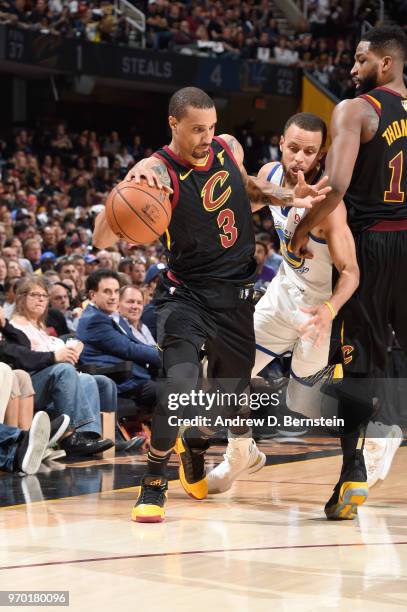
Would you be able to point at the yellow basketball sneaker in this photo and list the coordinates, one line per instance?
(192, 469)
(150, 504)
(350, 492)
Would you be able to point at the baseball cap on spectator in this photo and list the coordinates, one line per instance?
(20, 214)
(154, 271)
(48, 255)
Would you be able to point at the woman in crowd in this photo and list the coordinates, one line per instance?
(54, 377)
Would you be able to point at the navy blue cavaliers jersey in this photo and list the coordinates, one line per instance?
(377, 191)
(211, 234)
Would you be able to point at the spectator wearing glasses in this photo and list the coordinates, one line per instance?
(54, 377)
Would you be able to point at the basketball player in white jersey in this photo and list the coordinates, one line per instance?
(295, 315)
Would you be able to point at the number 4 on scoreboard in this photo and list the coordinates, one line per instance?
(216, 75)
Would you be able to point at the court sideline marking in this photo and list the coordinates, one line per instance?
(197, 552)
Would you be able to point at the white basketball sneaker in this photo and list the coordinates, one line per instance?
(242, 455)
(381, 444)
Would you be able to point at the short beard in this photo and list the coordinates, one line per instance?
(368, 83)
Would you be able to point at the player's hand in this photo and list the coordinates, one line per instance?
(298, 244)
(318, 326)
(143, 169)
(305, 196)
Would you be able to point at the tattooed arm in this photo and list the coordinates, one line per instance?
(156, 173)
(262, 193)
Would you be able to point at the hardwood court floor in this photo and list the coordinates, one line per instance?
(264, 545)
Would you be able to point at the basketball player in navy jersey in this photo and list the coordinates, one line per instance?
(367, 167)
(206, 296)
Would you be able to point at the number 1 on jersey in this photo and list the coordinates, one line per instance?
(394, 193)
(226, 221)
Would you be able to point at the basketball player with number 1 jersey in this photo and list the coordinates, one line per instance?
(367, 164)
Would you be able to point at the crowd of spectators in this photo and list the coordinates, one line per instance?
(54, 284)
(249, 30)
(231, 29)
(94, 20)
(52, 186)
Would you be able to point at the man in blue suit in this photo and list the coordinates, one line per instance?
(108, 338)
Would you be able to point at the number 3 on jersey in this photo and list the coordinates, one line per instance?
(394, 193)
(226, 221)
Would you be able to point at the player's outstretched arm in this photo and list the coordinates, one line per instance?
(153, 170)
(262, 193)
(346, 129)
(103, 236)
(263, 174)
(343, 253)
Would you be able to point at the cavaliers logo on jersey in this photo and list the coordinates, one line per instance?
(404, 104)
(211, 198)
(347, 351)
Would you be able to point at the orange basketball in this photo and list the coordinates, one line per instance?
(137, 212)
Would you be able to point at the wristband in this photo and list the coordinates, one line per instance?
(331, 309)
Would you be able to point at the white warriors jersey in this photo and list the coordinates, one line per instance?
(313, 277)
